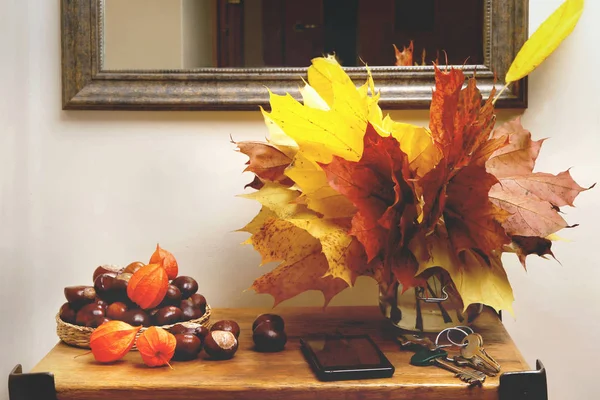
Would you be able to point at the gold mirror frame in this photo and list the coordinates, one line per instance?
(87, 86)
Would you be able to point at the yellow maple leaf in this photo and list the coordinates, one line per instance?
(474, 279)
(258, 221)
(416, 143)
(321, 75)
(279, 240)
(316, 192)
(337, 246)
(545, 39)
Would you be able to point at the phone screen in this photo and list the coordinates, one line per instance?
(335, 351)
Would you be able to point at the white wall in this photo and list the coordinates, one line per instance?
(83, 188)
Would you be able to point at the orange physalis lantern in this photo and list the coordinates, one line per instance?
(112, 340)
(148, 286)
(167, 260)
(156, 346)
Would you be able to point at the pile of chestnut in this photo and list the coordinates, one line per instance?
(107, 300)
(220, 342)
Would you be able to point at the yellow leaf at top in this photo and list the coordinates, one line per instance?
(321, 134)
(546, 39)
(321, 75)
(338, 247)
(312, 99)
(475, 281)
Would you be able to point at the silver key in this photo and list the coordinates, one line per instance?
(476, 354)
(438, 358)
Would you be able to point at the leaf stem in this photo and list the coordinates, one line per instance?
(500, 93)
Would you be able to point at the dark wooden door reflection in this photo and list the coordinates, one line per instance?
(360, 31)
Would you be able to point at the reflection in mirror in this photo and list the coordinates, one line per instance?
(189, 34)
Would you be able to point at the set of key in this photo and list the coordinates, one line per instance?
(471, 366)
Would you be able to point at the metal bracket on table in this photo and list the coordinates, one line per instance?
(37, 386)
(526, 385)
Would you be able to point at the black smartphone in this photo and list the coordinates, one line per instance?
(338, 357)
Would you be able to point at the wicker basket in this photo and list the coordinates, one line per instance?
(79, 336)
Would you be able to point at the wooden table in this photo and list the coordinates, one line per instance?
(284, 375)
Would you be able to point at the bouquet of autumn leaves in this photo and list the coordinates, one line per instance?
(347, 192)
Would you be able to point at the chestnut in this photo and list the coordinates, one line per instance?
(182, 329)
(275, 320)
(187, 347)
(172, 297)
(101, 303)
(96, 321)
(227, 325)
(79, 296)
(105, 270)
(198, 301)
(220, 345)
(268, 339)
(187, 285)
(168, 315)
(133, 267)
(117, 311)
(124, 276)
(89, 312)
(202, 332)
(67, 313)
(153, 312)
(137, 317)
(111, 289)
(186, 303)
(190, 313)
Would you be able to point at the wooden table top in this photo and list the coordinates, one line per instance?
(277, 375)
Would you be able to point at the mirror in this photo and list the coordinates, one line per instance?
(223, 54)
(190, 34)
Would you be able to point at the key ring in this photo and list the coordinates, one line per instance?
(461, 329)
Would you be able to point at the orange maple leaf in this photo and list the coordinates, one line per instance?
(378, 186)
(404, 58)
(460, 124)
